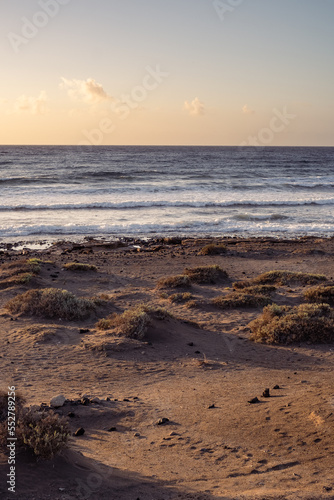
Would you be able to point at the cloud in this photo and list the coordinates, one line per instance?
(33, 105)
(89, 91)
(247, 111)
(195, 107)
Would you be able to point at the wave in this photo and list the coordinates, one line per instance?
(164, 203)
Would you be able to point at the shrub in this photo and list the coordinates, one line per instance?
(320, 294)
(178, 281)
(134, 322)
(34, 265)
(256, 289)
(286, 324)
(51, 303)
(241, 299)
(282, 278)
(202, 275)
(180, 297)
(76, 266)
(44, 433)
(213, 249)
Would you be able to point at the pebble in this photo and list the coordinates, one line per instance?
(253, 401)
(79, 432)
(57, 401)
(162, 421)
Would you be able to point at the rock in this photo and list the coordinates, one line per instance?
(85, 401)
(84, 330)
(162, 421)
(71, 414)
(96, 401)
(112, 429)
(137, 434)
(276, 387)
(266, 393)
(79, 432)
(191, 344)
(58, 401)
(254, 401)
(211, 406)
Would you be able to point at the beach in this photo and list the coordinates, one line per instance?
(168, 416)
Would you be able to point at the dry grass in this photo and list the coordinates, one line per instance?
(320, 294)
(51, 303)
(44, 433)
(180, 297)
(178, 281)
(134, 322)
(256, 289)
(285, 324)
(77, 266)
(203, 275)
(241, 299)
(282, 278)
(213, 249)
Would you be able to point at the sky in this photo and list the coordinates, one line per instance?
(167, 72)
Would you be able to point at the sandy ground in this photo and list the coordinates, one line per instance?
(198, 369)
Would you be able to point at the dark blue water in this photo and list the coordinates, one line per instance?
(114, 191)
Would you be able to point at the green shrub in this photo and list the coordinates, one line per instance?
(77, 266)
(51, 303)
(178, 281)
(203, 275)
(320, 294)
(286, 324)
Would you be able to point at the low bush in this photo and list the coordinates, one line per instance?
(213, 249)
(45, 433)
(256, 289)
(320, 294)
(285, 324)
(134, 322)
(77, 266)
(178, 281)
(241, 299)
(282, 278)
(51, 303)
(203, 275)
(180, 297)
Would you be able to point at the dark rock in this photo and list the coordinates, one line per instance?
(84, 330)
(276, 387)
(79, 432)
(211, 406)
(266, 393)
(85, 401)
(71, 414)
(162, 421)
(197, 352)
(191, 344)
(253, 401)
(112, 429)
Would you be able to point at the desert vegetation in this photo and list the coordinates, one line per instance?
(206, 274)
(282, 278)
(213, 249)
(51, 303)
(320, 294)
(77, 266)
(285, 324)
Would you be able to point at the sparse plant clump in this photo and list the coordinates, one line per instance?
(285, 324)
(203, 275)
(51, 303)
(213, 249)
(320, 294)
(178, 281)
(282, 278)
(256, 289)
(180, 297)
(241, 299)
(34, 265)
(77, 266)
(134, 322)
(44, 433)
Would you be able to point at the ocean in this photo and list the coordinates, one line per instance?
(71, 192)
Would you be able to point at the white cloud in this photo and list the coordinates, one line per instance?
(89, 91)
(195, 107)
(33, 105)
(247, 110)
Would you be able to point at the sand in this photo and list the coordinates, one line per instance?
(198, 369)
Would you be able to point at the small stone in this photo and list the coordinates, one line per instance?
(84, 330)
(276, 387)
(137, 434)
(162, 421)
(191, 344)
(211, 406)
(79, 432)
(112, 429)
(96, 401)
(85, 401)
(58, 401)
(266, 393)
(197, 352)
(71, 414)
(254, 401)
